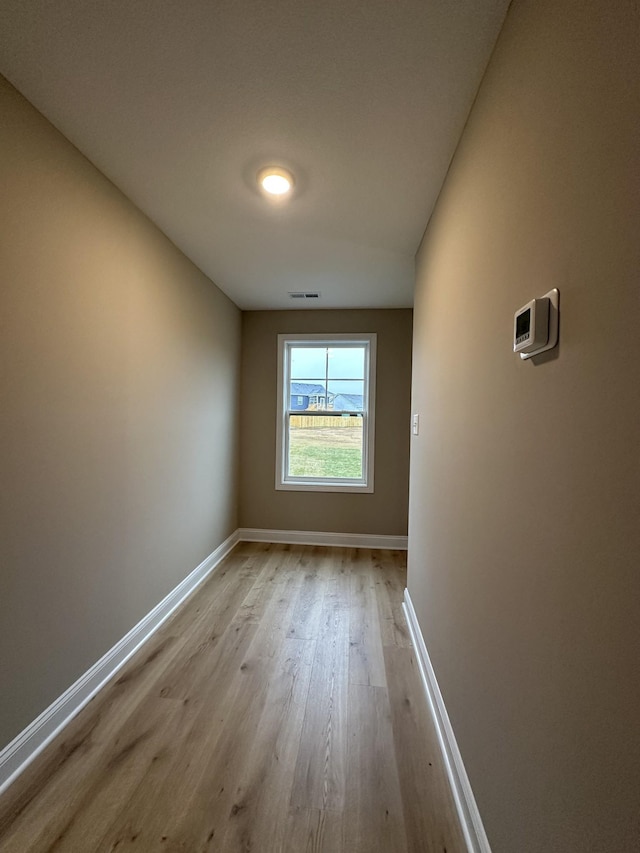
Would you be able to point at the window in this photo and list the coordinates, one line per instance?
(326, 389)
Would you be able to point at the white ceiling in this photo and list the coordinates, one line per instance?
(180, 104)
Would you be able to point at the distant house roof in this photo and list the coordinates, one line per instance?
(306, 389)
(348, 402)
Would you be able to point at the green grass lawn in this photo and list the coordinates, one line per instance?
(325, 453)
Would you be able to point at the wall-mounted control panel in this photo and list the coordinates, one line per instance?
(535, 325)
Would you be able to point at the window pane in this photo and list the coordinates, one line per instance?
(346, 396)
(308, 362)
(346, 362)
(329, 446)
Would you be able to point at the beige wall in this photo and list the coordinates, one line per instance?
(383, 512)
(119, 380)
(524, 509)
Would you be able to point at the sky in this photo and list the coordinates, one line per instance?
(309, 364)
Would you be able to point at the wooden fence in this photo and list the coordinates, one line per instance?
(306, 422)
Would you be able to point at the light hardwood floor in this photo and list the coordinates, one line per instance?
(279, 711)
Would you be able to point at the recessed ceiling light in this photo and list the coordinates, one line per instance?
(275, 180)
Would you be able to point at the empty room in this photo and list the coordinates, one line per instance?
(320, 506)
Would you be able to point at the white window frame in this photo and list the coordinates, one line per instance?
(311, 484)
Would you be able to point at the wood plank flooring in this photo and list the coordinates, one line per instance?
(280, 711)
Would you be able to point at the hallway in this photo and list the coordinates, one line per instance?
(280, 709)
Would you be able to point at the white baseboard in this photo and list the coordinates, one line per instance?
(313, 537)
(468, 813)
(15, 757)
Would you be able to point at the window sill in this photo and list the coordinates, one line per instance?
(319, 486)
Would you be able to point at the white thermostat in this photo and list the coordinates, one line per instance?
(535, 325)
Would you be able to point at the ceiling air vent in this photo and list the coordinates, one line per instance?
(304, 294)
